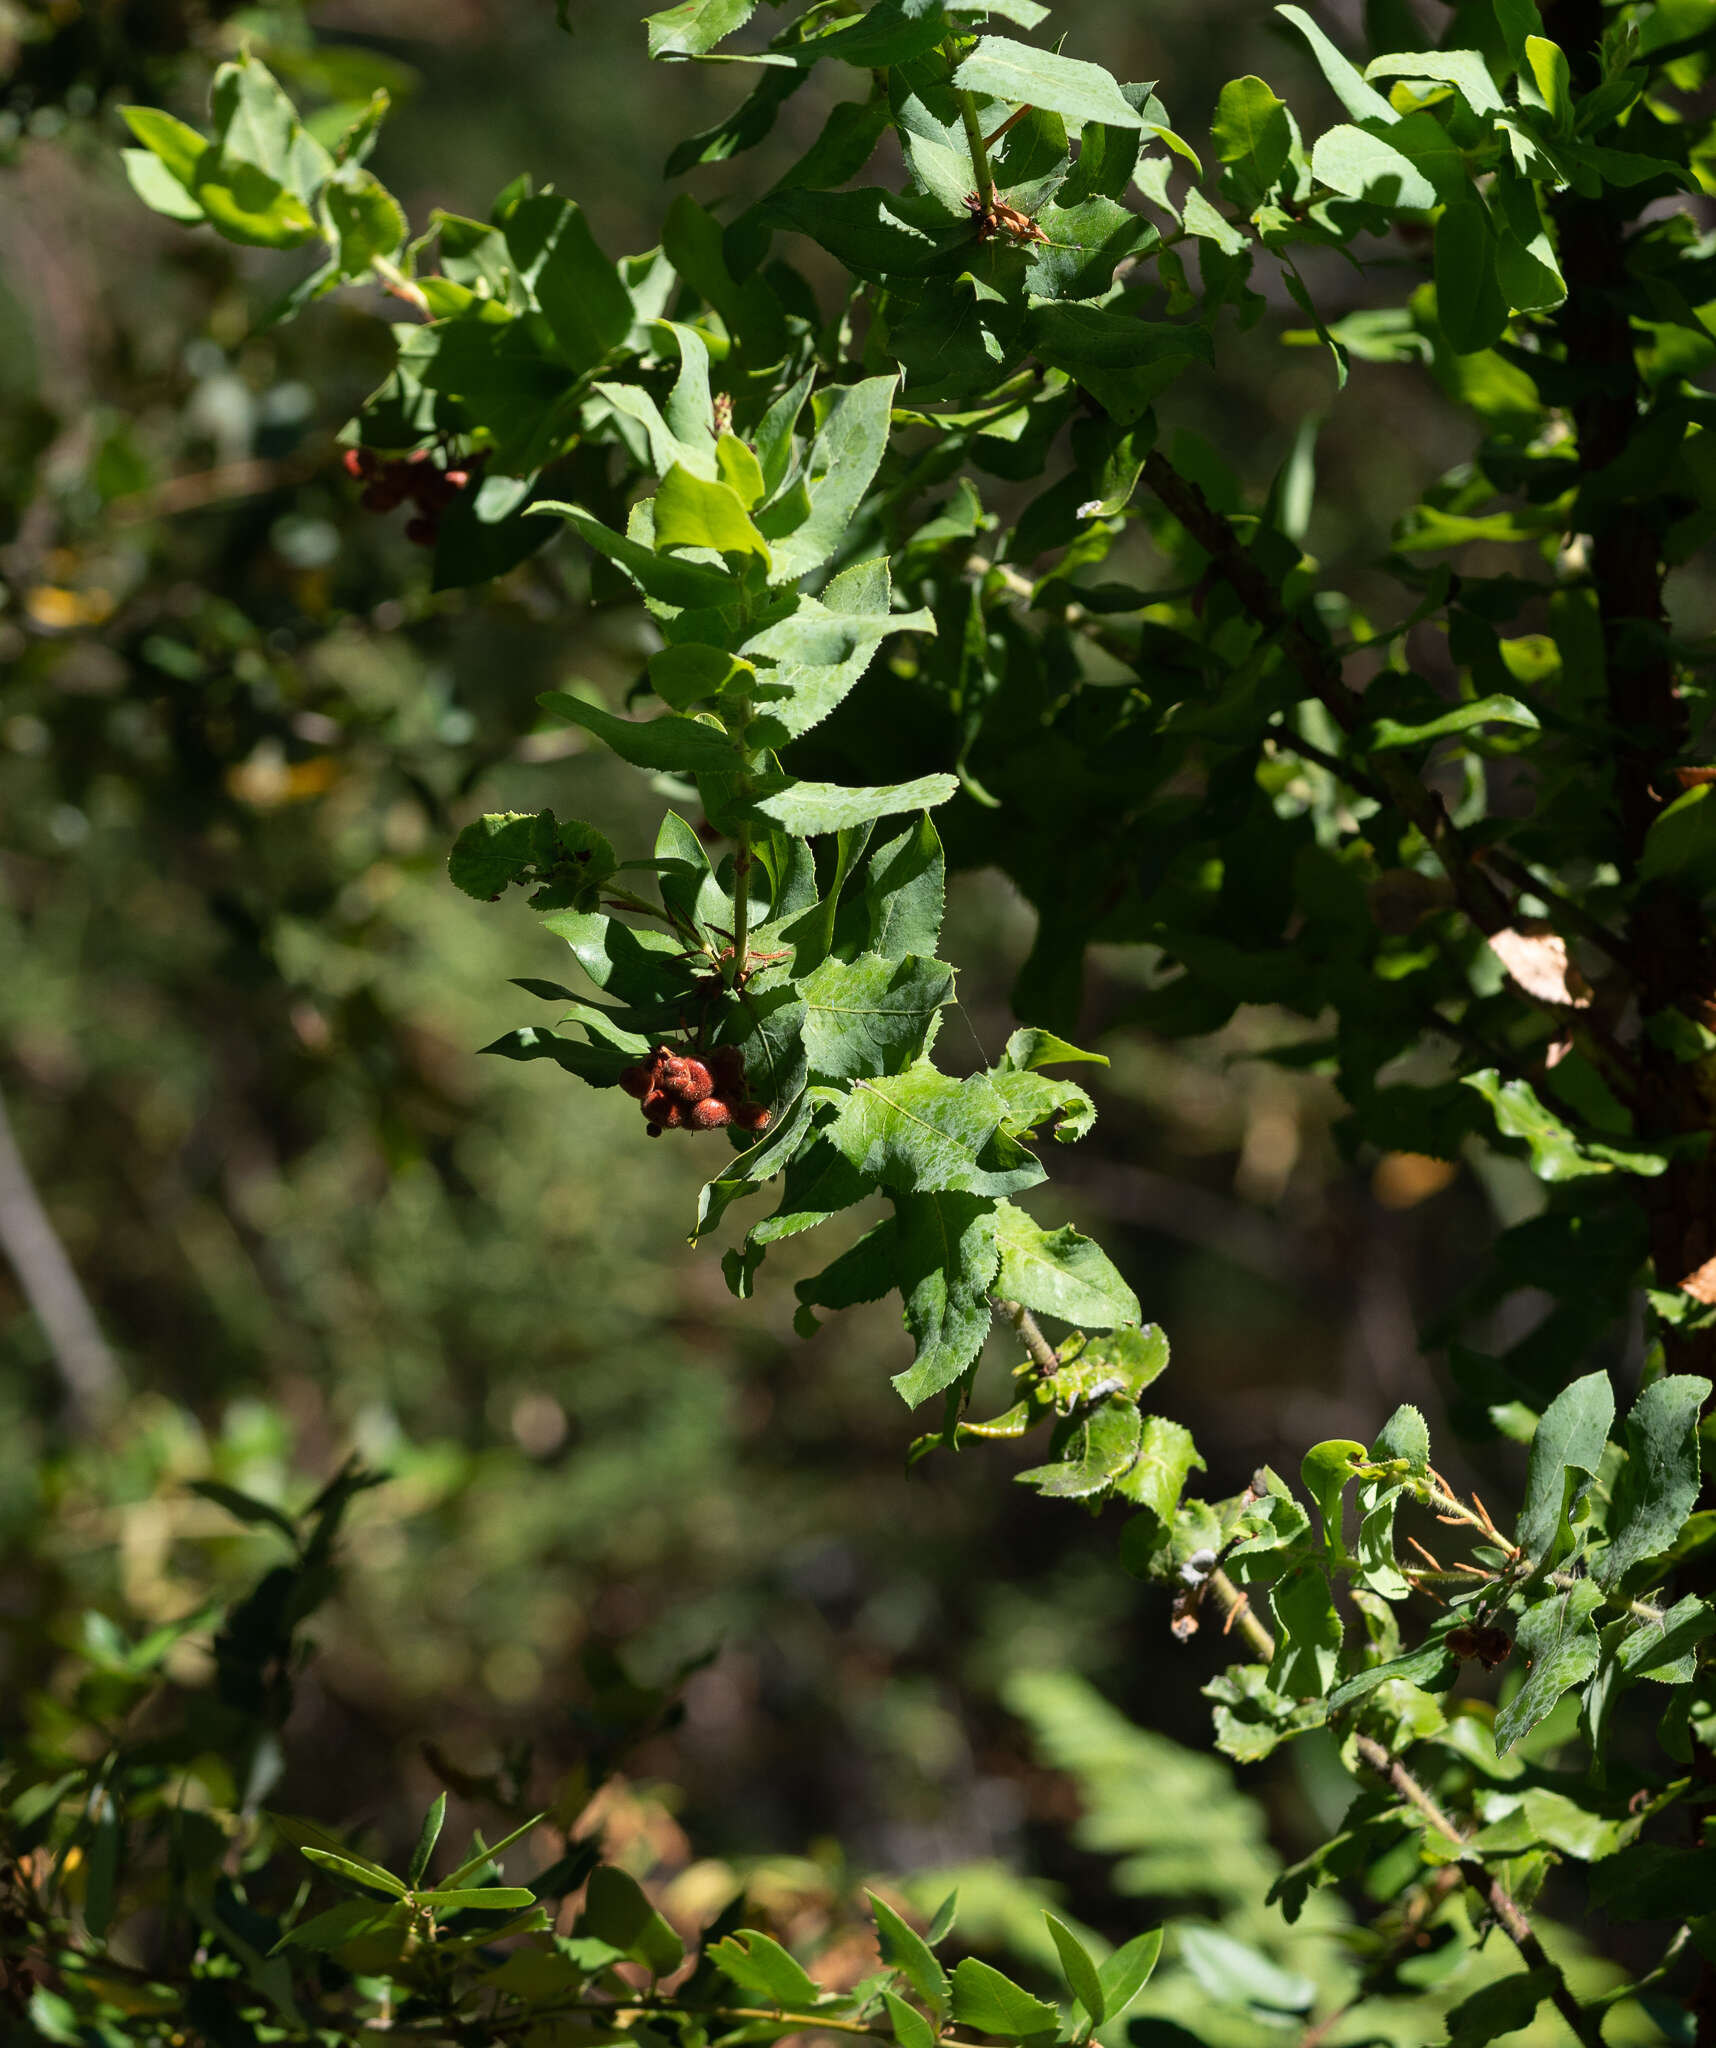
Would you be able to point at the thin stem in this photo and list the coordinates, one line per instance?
(1012, 121)
(1237, 1611)
(1042, 1352)
(799, 2022)
(394, 280)
(973, 134)
(741, 909)
(49, 1280)
(1500, 1900)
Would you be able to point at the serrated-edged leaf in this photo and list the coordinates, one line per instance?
(1061, 1273)
(1079, 1967)
(994, 2004)
(1167, 1457)
(871, 1015)
(806, 809)
(686, 746)
(367, 218)
(694, 27)
(921, 1132)
(695, 512)
(942, 1919)
(1557, 1152)
(757, 1963)
(905, 1950)
(1404, 1435)
(944, 1256)
(1023, 76)
(1658, 1486)
(1566, 1451)
(1561, 1650)
(905, 884)
(842, 461)
(428, 1836)
(748, 1172)
(1098, 1453)
(1128, 1970)
(355, 1870)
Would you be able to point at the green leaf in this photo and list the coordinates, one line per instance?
(1681, 842)
(752, 1168)
(841, 464)
(367, 218)
(686, 746)
(807, 808)
(905, 888)
(1365, 167)
(921, 1132)
(355, 1870)
(1233, 1973)
(350, 1920)
(1561, 1650)
(1469, 301)
(994, 2004)
(1554, 78)
(1081, 1971)
(247, 206)
(1557, 1153)
(1566, 1452)
(1030, 1048)
(871, 1015)
(156, 186)
(910, 2027)
(740, 471)
(1252, 136)
(1061, 1273)
(493, 1898)
(944, 1265)
(905, 1950)
(692, 585)
(616, 1911)
(1327, 1469)
(691, 512)
(560, 264)
(428, 1836)
(1666, 1650)
(694, 27)
(178, 149)
(1361, 101)
(1128, 1970)
(1405, 1435)
(1006, 70)
(760, 1966)
(1308, 1634)
(481, 1858)
(1122, 361)
(1463, 68)
(1658, 1486)
(1507, 2006)
(1383, 733)
(1097, 1452)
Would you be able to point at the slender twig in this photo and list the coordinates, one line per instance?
(1320, 671)
(741, 910)
(1030, 1331)
(1500, 1900)
(80, 1352)
(799, 2022)
(1012, 121)
(394, 280)
(1237, 1611)
(973, 134)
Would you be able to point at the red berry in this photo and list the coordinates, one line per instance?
(686, 1079)
(652, 1130)
(458, 478)
(708, 1115)
(381, 497)
(637, 1081)
(751, 1116)
(359, 462)
(422, 531)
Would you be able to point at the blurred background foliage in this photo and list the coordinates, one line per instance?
(239, 1003)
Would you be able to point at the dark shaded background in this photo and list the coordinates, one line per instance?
(239, 1001)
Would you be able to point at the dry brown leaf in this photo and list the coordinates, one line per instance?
(1702, 1284)
(1690, 778)
(1538, 961)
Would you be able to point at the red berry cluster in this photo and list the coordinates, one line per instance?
(680, 1092)
(416, 477)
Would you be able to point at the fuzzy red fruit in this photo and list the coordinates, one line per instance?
(637, 1081)
(382, 496)
(708, 1115)
(751, 1116)
(421, 532)
(685, 1079)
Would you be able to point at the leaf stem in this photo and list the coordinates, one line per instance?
(973, 133)
(1237, 1611)
(1042, 1352)
(741, 909)
(1500, 1900)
